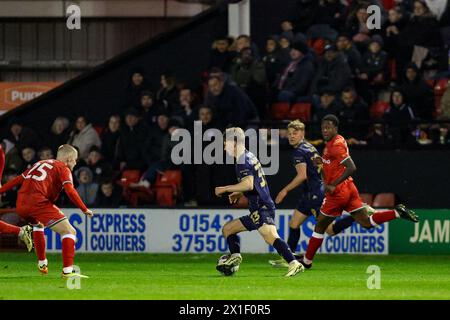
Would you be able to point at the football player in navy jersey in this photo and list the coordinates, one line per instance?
(253, 185)
(308, 165)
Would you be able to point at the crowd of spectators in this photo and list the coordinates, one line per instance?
(325, 55)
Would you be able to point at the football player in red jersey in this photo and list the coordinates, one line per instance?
(341, 193)
(24, 233)
(41, 186)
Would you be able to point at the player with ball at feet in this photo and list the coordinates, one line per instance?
(253, 185)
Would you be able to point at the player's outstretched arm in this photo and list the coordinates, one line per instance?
(76, 200)
(246, 184)
(298, 180)
(11, 184)
(350, 169)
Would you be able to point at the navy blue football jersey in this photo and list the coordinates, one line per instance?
(305, 153)
(259, 197)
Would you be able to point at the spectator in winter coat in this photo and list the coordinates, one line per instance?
(110, 138)
(353, 115)
(87, 189)
(131, 141)
(221, 57)
(417, 93)
(22, 136)
(294, 81)
(345, 45)
(230, 104)
(84, 136)
(272, 61)
(333, 74)
(109, 195)
(136, 83)
(59, 134)
(398, 119)
(250, 75)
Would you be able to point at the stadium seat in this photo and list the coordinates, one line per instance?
(441, 86)
(279, 110)
(378, 109)
(168, 187)
(130, 176)
(367, 198)
(165, 196)
(98, 129)
(300, 111)
(384, 200)
(136, 195)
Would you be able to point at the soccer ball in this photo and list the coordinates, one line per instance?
(225, 270)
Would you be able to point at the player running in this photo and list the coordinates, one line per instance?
(341, 193)
(308, 165)
(41, 186)
(24, 233)
(253, 185)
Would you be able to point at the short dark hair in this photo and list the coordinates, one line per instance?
(332, 118)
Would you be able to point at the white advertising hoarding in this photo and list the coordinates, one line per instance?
(197, 231)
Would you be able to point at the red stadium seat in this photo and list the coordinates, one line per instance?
(300, 111)
(279, 110)
(134, 195)
(367, 198)
(384, 200)
(165, 196)
(171, 178)
(168, 187)
(130, 176)
(378, 109)
(440, 87)
(99, 130)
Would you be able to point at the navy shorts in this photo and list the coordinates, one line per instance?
(310, 204)
(256, 219)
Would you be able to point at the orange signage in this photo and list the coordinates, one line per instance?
(13, 94)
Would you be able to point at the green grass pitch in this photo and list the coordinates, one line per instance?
(189, 276)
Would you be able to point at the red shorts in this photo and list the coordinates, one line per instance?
(345, 197)
(39, 212)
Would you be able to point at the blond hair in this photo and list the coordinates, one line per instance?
(234, 134)
(65, 151)
(296, 125)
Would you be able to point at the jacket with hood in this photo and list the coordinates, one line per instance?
(87, 191)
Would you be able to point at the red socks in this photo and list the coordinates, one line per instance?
(314, 244)
(68, 251)
(8, 228)
(380, 217)
(39, 242)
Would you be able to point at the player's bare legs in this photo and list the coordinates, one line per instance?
(323, 222)
(362, 216)
(68, 238)
(39, 247)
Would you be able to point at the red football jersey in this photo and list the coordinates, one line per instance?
(45, 180)
(335, 152)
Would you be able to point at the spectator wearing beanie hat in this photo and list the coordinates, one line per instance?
(293, 83)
